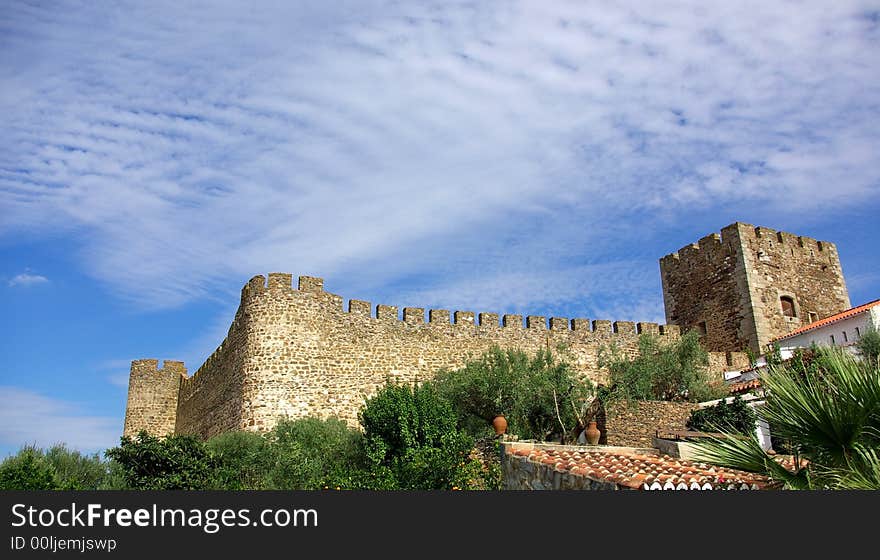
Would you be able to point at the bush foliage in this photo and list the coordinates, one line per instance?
(311, 454)
(28, 470)
(413, 441)
(869, 345)
(57, 468)
(735, 417)
(540, 396)
(662, 371)
(171, 463)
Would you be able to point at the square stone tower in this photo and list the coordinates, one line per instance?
(745, 287)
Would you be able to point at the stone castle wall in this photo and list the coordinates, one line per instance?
(301, 352)
(731, 285)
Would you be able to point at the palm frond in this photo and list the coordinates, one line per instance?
(746, 454)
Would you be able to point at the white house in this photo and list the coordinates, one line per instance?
(842, 329)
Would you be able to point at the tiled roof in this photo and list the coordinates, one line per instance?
(828, 320)
(744, 386)
(644, 472)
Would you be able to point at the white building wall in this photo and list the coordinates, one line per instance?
(845, 332)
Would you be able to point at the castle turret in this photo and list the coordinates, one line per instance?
(152, 397)
(751, 284)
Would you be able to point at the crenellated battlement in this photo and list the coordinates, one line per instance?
(212, 361)
(150, 366)
(415, 317)
(768, 238)
(718, 248)
(712, 246)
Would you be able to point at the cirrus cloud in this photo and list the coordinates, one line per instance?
(187, 147)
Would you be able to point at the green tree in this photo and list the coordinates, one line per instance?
(243, 459)
(413, 442)
(311, 453)
(734, 417)
(662, 371)
(172, 463)
(540, 396)
(28, 470)
(827, 408)
(76, 471)
(869, 345)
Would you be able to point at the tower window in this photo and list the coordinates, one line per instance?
(788, 306)
(701, 328)
(858, 333)
(832, 339)
(845, 338)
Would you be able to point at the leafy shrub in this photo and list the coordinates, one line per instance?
(538, 396)
(172, 463)
(662, 371)
(57, 468)
(728, 417)
(75, 471)
(243, 461)
(413, 442)
(869, 345)
(310, 453)
(27, 470)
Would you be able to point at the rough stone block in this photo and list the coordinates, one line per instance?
(536, 322)
(513, 321)
(414, 315)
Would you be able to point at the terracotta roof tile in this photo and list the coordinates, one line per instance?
(744, 386)
(828, 320)
(645, 472)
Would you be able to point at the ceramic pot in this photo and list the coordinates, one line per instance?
(592, 434)
(500, 425)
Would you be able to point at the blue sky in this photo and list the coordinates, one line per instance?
(511, 157)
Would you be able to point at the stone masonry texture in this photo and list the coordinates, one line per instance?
(634, 424)
(297, 352)
(731, 285)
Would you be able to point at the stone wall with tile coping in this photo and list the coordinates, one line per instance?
(521, 473)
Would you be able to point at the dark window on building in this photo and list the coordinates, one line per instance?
(832, 339)
(814, 317)
(787, 306)
(858, 333)
(845, 338)
(701, 328)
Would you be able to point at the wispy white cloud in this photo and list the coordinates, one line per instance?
(115, 371)
(118, 379)
(27, 417)
(534, 293)
(188, 147)
(26, 279)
